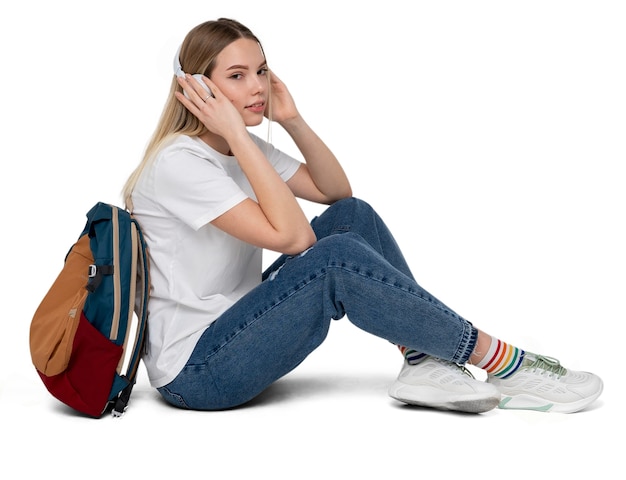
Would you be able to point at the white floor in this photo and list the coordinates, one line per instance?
(331, 418)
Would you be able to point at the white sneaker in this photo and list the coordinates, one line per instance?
(542, 384)
(444, 385)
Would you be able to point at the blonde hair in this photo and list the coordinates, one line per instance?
(197, 55)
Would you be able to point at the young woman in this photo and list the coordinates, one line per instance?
(210, 196)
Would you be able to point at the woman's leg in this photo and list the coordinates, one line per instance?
(354, 269)
(272, 329)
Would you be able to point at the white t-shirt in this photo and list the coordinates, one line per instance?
(196, 270)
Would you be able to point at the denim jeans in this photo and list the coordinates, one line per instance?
(355, 269)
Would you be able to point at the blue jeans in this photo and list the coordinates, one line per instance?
(355, 269)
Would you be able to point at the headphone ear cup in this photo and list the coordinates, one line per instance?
(198, 77)
(178, 71)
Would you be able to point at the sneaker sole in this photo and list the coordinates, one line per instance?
(529, 402)
(431, 398)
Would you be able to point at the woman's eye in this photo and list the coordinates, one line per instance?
(263, 71)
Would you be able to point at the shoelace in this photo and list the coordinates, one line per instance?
(462, 369)
(547, 364)
(465, 371)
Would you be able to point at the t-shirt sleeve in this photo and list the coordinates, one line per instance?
(197, 189)
(193, 188)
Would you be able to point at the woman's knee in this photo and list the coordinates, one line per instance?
(351, 204)
(345, 246)
(343, 216)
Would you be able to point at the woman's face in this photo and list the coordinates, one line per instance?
(240, 72)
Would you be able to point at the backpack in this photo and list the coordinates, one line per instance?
(87, 335)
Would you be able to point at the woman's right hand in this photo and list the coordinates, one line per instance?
(216, 112)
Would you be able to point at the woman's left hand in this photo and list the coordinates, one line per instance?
(281, 103)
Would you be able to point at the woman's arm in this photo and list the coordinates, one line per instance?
(321, 179)
(276, 221)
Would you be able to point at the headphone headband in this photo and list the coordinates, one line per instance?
(178, 70)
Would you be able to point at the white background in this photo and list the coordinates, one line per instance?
(488, 134)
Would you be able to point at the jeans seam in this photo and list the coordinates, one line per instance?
(404, 288)
(469, 334)
(179, 399)
(466, 344)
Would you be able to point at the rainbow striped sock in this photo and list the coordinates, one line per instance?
(413, 357)
(502, 360)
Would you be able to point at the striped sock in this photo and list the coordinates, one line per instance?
(413, 357)
(502, 360)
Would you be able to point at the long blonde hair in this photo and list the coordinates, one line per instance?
(197, 55)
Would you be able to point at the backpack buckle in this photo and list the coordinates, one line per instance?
(92, 271)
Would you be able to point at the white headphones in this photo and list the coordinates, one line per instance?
(178, 71)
